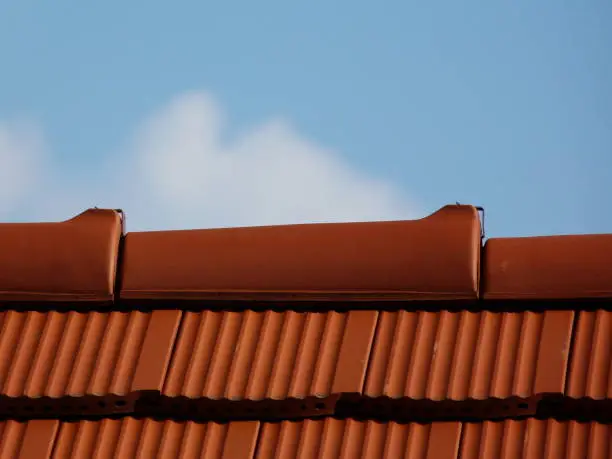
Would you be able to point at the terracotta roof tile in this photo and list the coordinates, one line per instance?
(75, 362)
(591, 364)
(533, 439)
(21, 440)
(310, 358)
(71, 261)
(471, 356)
(149, 439)
(435, 258)
(333, 438)
(551, 267)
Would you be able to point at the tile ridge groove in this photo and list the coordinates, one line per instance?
(462, 434)
(540, 331)
(572, 348)
(258, 442)
(56, 437)
(175, 341)
(370, 353)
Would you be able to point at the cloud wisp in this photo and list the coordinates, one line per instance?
(22, 158)
(178, 171)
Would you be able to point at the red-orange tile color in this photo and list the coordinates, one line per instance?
(69, 261)
(536, 439)
(57, 354)
(325, 438)
(255, 355)
(476, 355)
(591, 364)
(150, 439)
(31, 440)
(550, 267)
(223, 360)
(347, 439)
(435, 258)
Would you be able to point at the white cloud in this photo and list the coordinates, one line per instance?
(179, 171)
(22, 155)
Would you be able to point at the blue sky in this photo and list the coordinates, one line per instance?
(189, 114)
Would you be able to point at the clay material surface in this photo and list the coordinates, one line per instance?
(469, 355)
(86, 363)
(589, 371)
(435, 258)
(27, 440)
(150, 439)
(333, 438)
(71, 261)
(535, 439)
(550, 267)
(255, 356)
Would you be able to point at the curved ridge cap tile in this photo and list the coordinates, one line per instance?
(548, 267)
(73, 260)
(433, 258)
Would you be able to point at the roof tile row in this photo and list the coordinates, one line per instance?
(329, 438)
(435, 258)
(301, 364)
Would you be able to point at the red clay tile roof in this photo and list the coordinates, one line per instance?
(346, 333)
(25, 440)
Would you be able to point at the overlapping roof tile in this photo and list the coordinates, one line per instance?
(435, 258)
(495, 363)
(533, 438)
(71, 261)
(150, 439)
(549, 267)
(334, 438)
(305, 361)
(79, 363)
(27, 440)
(590, 368)
(589, 386)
